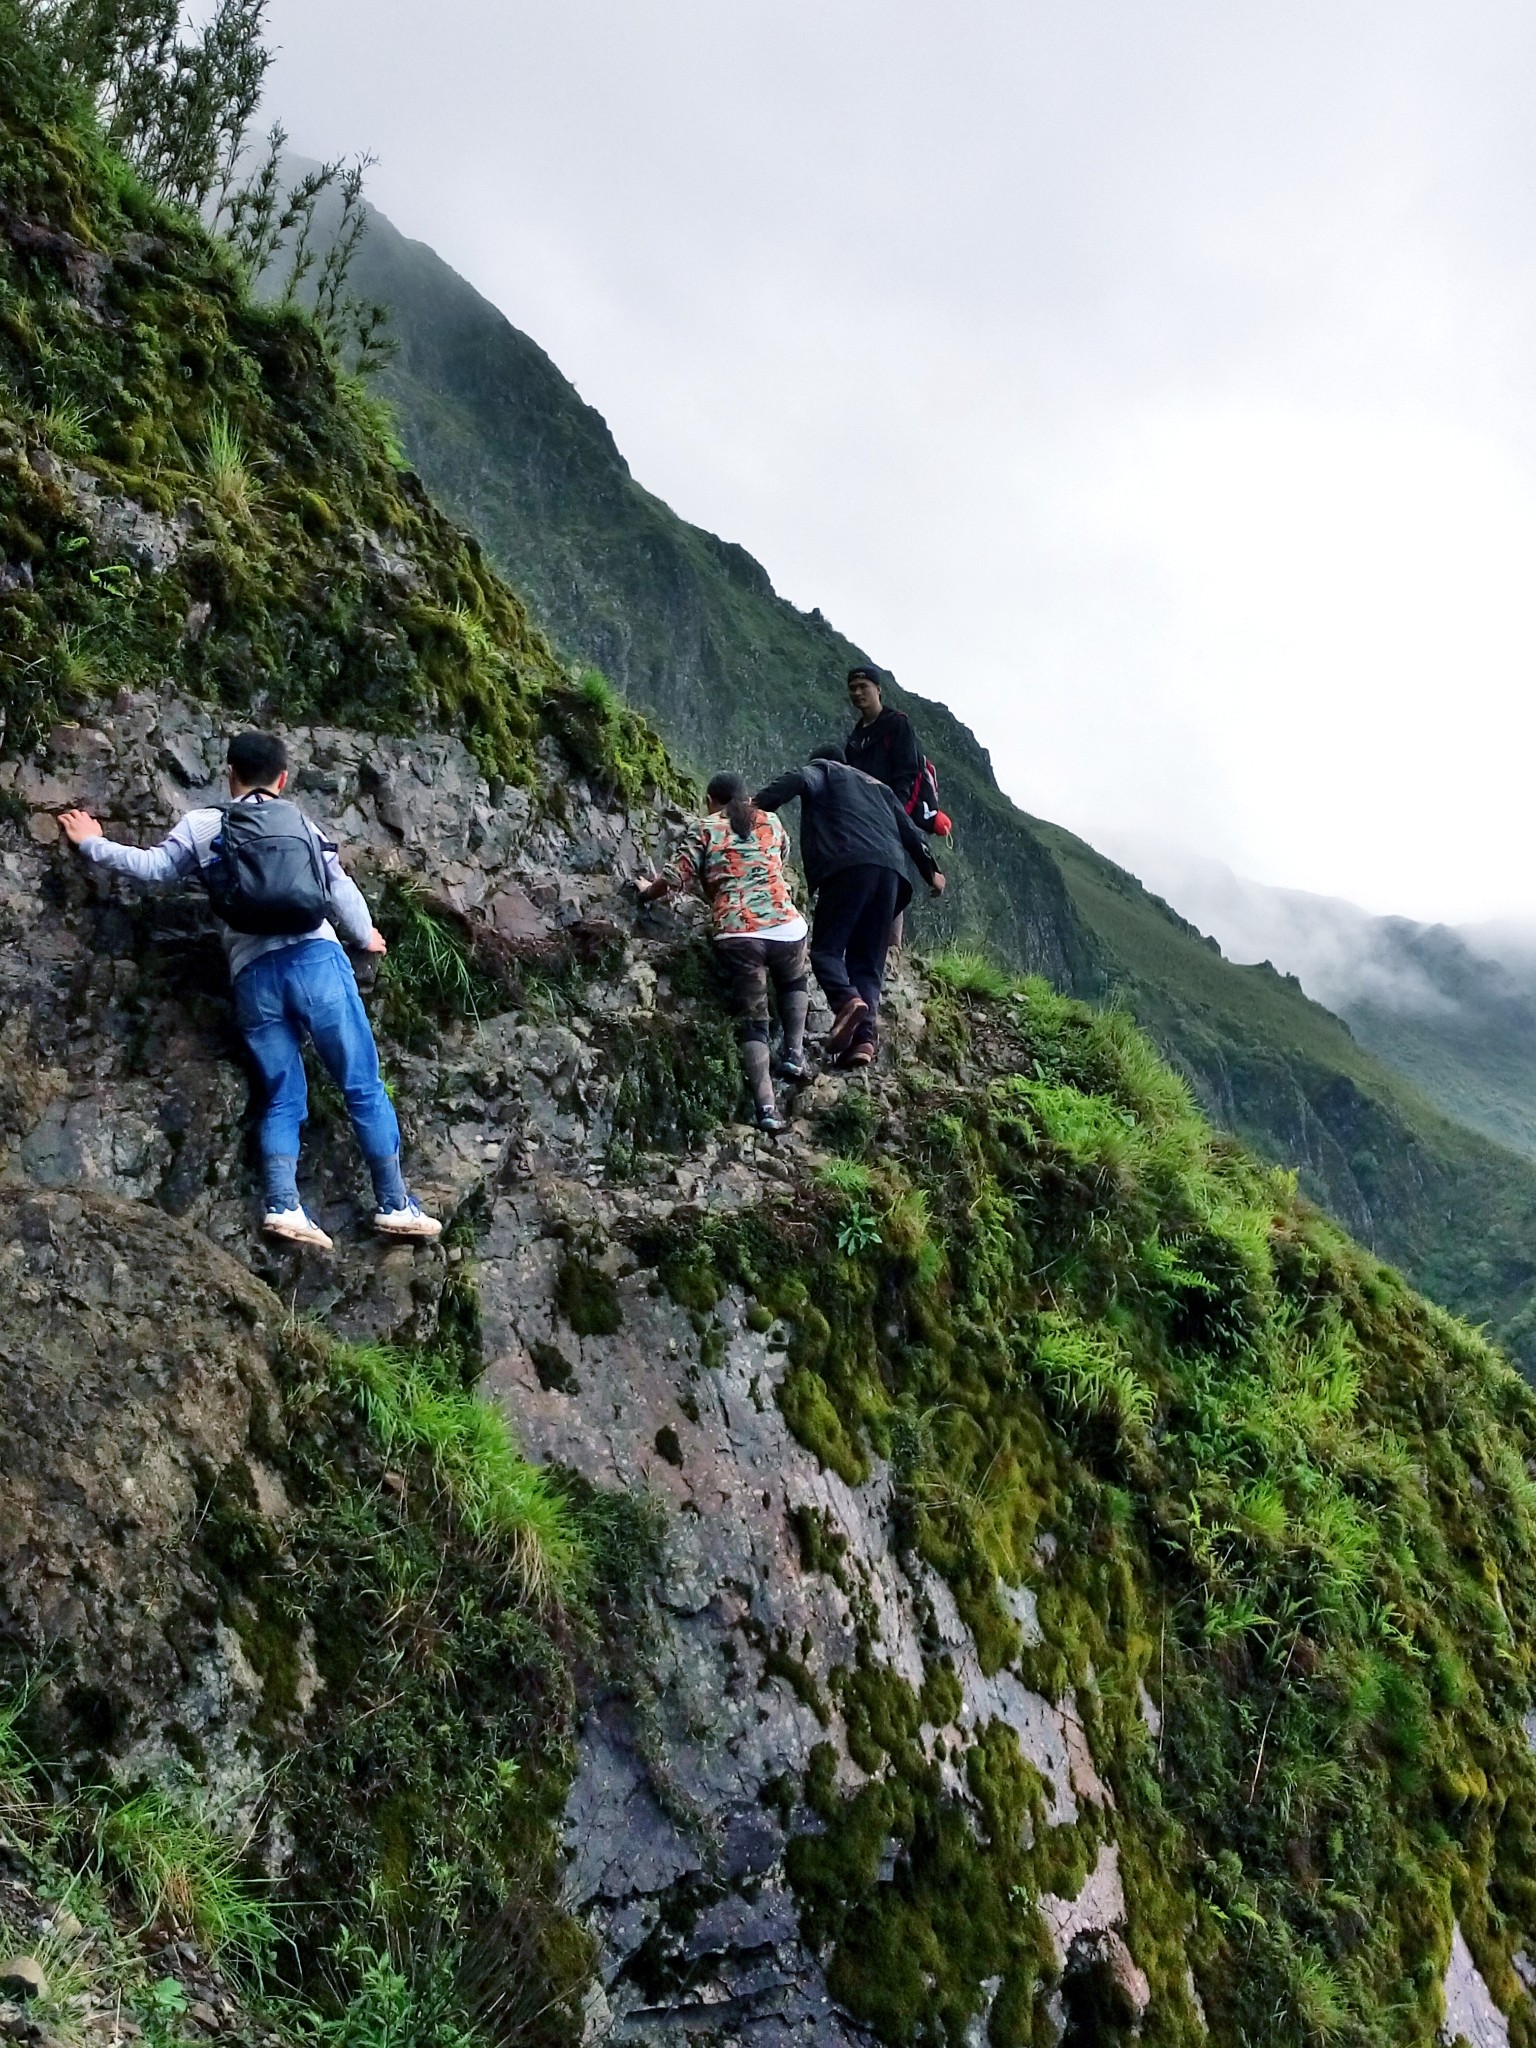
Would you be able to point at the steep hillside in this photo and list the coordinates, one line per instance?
(990, 1566)
(690, 628)
(687, 626)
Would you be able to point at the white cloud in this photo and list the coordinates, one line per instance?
(1153, 384)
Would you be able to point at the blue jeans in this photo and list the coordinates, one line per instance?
(311, 988)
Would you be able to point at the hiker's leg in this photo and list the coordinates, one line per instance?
(338, 1023)
(870, 937)
(787, 963)
(276, 1048)
(746, 971)
(755, 1058)
(837, 908)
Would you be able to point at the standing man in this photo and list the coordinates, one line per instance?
(883, 743)
(273, 878)
(854, 842)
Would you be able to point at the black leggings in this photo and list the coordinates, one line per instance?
(851, 932)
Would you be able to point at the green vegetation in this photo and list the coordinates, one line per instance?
(607, 741)
(321, 578)
(417, 1407)
(1457, 1213)
(679, 1075)
(180, 1871)
(413, 1625)
(433, 974)
(1280, 1492)
(588, 1299)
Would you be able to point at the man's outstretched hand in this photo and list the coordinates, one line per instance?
(936, 886)
(376, 942)
(78, 826)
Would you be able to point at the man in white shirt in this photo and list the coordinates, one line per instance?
(287, 984)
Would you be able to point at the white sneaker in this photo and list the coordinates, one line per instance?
(411, 1221)
(297, 1226)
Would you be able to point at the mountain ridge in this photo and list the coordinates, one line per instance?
(690, 629)
(1451, 1008)
(986, 1563)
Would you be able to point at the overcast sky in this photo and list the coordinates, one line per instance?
(1153, 382)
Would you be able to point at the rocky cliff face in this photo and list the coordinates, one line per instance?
(992, 1566)
(902, 1730)
(138, 1354)
(690, 628)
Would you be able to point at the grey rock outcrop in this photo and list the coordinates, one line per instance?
(121, 1107)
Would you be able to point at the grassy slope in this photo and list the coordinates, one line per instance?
(1455, 1210)
(312, 577)
(311, 572)
(1283, 1491)
(691, 629)
(1281, 1494)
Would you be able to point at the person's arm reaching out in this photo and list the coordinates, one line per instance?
(159, 866)
(681, 871)
(784, 789)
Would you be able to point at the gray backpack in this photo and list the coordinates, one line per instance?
(266, 872)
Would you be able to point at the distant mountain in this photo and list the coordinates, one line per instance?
(690, 628)
(1453, 1010)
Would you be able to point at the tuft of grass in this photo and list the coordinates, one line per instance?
(65, 428)
(1086, 1374)
(16, 1762)
(75, 667)
(430, 976)
(844, 1176)
(969, 971)
(184, 1874)
(226, 466)
(415, 1404)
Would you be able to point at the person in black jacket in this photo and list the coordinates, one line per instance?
(854, 842)
(883, 742)
(884, 745)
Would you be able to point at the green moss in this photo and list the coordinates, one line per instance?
(588, 1298)
(335, 589)
(779, 1661)
(1280, 1493)
(942, 1696)
(609, 742)
(676, 1078)
(808, 1409)
(823, 1546)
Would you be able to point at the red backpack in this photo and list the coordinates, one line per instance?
(922, 805)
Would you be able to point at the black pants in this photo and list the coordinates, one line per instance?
(851, 932)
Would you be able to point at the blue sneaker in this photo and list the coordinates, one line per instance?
(411, 1221)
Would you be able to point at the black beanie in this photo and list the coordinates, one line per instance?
(874, 675)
